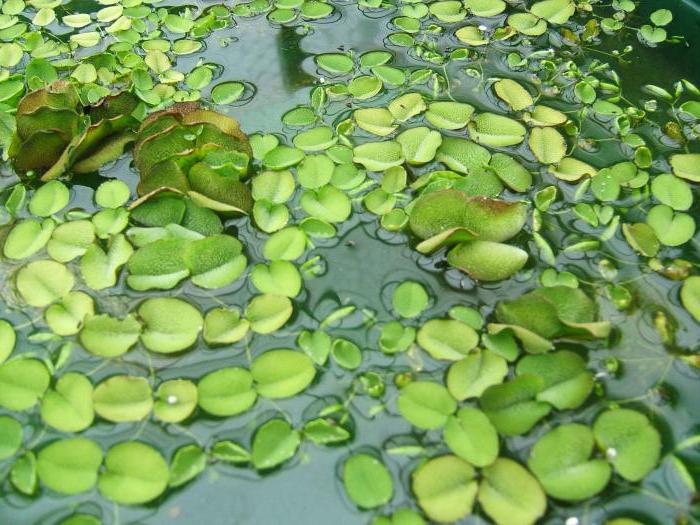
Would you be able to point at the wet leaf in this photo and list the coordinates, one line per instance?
(224, 326)
(346, 353)
(69, 466)
(279, 277)
(461, 155)
(511, 172)
(325, 431)
(419, 144)
(274, 186)
(282, 373)
(22, 383)
(112, 194)
(23, 474)
(214, 262)
(175, 400)
(66, 317)
(571, 170)
(70, 240)
(274, 443)
(407, 106)
(335, 63)
(447, 339)
(316, 344)
(554, 11)
(567, 383)
(410, 299)
(8, 339)
(495, 131)
(686, 166)
(40, 283)
(99, 269)
(123, 398)
(134, 473)
(671, 229)
(27, 237)
(226, 392)
(513, 94)
(315, 139)
(672, 191)
(327, 204)
(285, 245)
(49, 199)
(425, 404)
(11, 434)
(513, 407)
(486, 8)
(561, 460)
(472, 437)
(68, 406)
(486, 260)
(282, 157)
(471, 376)
(108, 336)
(445, 488)
(230, 452)
(690, 296)
(110, 221)
(367, 481)
(641, 238)
(268, 313)
(510, 495)
(227, 92)
(160, 264)
(378, 121)
(449, 115)
(554, 312)
(187, 463)
(170, 324)
(437, 212)
(471, 35)
(547, 144)
(379, 156)
(629, 441)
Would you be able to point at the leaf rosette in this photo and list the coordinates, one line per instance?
(196, 152)
(55, 133)
(477, 226)
(539, 317)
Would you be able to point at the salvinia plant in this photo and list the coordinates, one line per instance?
(195, 152)
(56, 133)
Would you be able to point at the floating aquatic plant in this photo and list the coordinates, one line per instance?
(477, 225)
(55, 133)
(546, 314)
(196, 152)
(521, 188)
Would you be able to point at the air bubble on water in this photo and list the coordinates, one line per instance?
(482, 28)
(573, 520)
(322, 80)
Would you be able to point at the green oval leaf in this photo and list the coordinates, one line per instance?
(282, 373)
(425, 404)
(367, 481)
(445, 488)
(69, 466)
(134, 473)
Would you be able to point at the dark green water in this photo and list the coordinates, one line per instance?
(359, 265)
